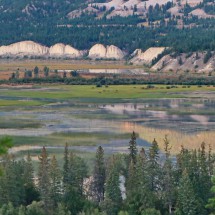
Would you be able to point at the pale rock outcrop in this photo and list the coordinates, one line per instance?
(61, 50)
(185, 62)
(147, 56)
(114, 52)
(109, 52)
(97, 51)
(70, 51)
(23, 48)
(57, 49)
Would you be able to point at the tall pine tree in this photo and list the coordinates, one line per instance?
(98, 183)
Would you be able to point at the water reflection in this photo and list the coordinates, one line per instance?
(185, 121)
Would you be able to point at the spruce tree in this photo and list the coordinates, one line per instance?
(44, 180)
(66, 166)
(61, 210)
(169, 191)
(154, 171)
(74, 198)
(139, 195)
(35, 208)
(211, 201)
(31, 193)
(187, 201)
(12, 183)
(204, 174)
(98, 183)
(8, 209)
(55, 182)
(36, 72)
(132, 148)
(113, 196)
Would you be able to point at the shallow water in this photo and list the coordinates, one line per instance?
(183, 120)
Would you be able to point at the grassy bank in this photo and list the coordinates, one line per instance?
(66, 92)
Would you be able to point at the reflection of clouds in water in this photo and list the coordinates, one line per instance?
(66, 125)
(117, 71)
(176, 138)
(158, 114)
(121, 108)
(175, 117)
(199, 118)
(198, 105)
(174, 103)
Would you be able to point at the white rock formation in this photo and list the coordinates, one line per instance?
(61, 50)
(109, 52)
(97, 51)
(57, 49)
(191, 62)
(147, 56)
(30, 48)
(23, 48)
(114, 52)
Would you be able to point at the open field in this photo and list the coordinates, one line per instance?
(65, 92)
(61, 64)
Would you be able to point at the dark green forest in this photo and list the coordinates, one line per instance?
(142, 182)
(48, 24)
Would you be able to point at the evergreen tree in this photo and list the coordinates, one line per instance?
(139, 195)
(8, 209)
(61, 210)
(204, 174)
(66, 165)
(211, 201)
(151, 211)
(44, 179)
(132, 148)
(46, 71)
(154, 171)
(30, 189)
(113, 196)
(5, 144)
(98, 184)
(169, 191)
(12, 183)
(55, 183)
(187, 201)
(35, 208)
(36, 72)
(22, 210)
(74, 198)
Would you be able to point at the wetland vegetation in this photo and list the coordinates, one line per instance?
(88, 119)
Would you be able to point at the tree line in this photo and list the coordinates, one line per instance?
(141, 182)
(74, 77)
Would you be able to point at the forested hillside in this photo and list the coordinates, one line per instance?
(48, 22)
(138, 183)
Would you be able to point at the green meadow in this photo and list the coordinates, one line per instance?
(64, 92)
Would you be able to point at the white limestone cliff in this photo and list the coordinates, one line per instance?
(30, 48)
(109, 52)
(24, 48)
(114, 52)
(97, 51)
(146, 57)
(61, 50)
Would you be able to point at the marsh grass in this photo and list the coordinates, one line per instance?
(65, 92)
(21, 103)
(73, 139)
(19, 124)
(176, 138)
